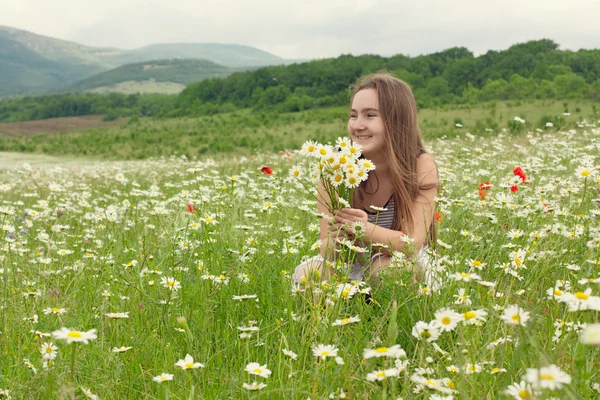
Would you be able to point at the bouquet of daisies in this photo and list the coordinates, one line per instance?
(340, 169)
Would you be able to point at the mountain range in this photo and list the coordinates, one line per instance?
(36, 64)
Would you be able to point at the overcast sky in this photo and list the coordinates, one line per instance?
(313, 28)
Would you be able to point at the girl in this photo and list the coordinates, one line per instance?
(396, 202)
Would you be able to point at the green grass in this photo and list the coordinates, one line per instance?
(246, 132)
(126, 234)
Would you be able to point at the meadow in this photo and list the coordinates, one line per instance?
(150, 261)
(247, 132)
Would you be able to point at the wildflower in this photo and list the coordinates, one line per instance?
(395, 351)
(245, 297)
(163, 377)
(120, 315)
(381, 374)
(170, 283)
(191, 209)
(257, 369)
(121, 349)
(590, 335)
(88, 394)
(54, 310)
(345, 321)
(75, 336)
(426, 331)
(474, 317)
(48, 351)
(265, 169)
(296, 171)
(550, 377)
(583, 172)
(325, 350)
(448, 319)
(518, 171)
(29, 365)
(466, 277)
(515, 315)
(290, 354)
(254, 386)
(188, 363)
(520, 391)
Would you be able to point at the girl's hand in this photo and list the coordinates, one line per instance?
(350, 215)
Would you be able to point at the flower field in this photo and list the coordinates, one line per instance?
(171, 278)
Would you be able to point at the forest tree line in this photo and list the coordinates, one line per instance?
(532, 70)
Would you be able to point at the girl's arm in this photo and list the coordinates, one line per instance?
(423, 210)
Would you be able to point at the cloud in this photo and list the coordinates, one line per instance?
(314, 28)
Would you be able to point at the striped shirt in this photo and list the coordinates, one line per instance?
(384, 218)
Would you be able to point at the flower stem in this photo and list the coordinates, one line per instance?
(73, 363)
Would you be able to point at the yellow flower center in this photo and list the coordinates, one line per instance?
(257, 370)
(517, 261)
(446, 320)
(189, 365)
(325, 353)
(49, 349)
(345, 320)
(74, 334)
(352, 180)
(170, 283)
(380, 373)
(310, 148)
(55, 310)
(585, 173)
(557, 292)
(547, 377)
(470, 315)
(516, 318)
(465, 275)
(425, 334)
(296, 173)
(381, 350)
(476, 263)
(323, 152)
(581, 296)
(525, 394)
(451, 385)
(338, 178)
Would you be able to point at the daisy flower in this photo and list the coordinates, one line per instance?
(520, 391)
(254, 386)
(188, 363)
(325, 350)
(515, 315)
(48, 351)
(474, 317)
(75, 336)
(257, 369)
(590, 335)
(381, 374)
(345, 321)
(290, 354)
(163, 377)
(121, 349)
(448, 319)
(170, 283)
(550, 377)
(426, 331)
(394, 351)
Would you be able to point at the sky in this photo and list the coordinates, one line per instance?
(311, 29)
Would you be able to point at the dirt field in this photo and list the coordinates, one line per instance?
(55, 125)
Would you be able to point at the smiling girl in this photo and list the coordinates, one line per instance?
(396, 203)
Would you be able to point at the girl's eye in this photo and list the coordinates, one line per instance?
(352, 116)
(371, 115)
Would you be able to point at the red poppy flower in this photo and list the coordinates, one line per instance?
(191, 208)
(514, 188)
(438, 217)
(518, 171)
(483, 187)
(265, 169)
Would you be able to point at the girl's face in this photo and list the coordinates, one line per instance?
(365, 126)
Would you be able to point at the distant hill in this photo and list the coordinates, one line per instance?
(34, 64)
(182, 72)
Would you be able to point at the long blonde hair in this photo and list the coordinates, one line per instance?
(404, 144)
